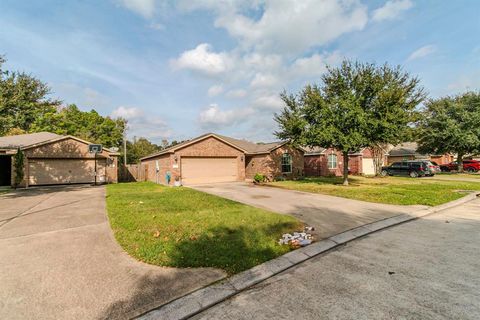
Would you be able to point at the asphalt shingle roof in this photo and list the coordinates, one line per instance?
(407, 148)
(248, 146)
(24, 140)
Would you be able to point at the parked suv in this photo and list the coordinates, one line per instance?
(468, 165)
(412, 168)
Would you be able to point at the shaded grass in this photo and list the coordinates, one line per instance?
(391, 190)
(181, 227)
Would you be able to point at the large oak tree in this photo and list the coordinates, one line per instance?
(451, 125)
(356, 105)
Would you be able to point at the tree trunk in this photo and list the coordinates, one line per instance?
(345, 168)
(460, 162)
(378, 153)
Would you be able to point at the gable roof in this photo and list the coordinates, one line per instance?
(405, 149)
(32, 140)
(25, 140)
(242, 145)
(313, 151)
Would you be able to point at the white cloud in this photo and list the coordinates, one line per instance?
(465, 82)
(262, 80)
(271, 101)
(391, 9)
(202, 60)
(127, 113)
(314, 65)
(237, 93)
(215, 90)
(145, 8)
(422, 52)
(142, 125)
(213, 117)
(291, 26)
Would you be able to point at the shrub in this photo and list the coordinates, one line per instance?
(258, 178)
(280, 178)
(18, 163)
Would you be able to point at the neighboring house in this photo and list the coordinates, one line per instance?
(216, 158)
(54, 159)
(326, 162)
(408, 151)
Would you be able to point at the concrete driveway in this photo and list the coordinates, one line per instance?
(424, 269)
(59, 260)
(329, 215)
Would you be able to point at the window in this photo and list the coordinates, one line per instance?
(332, 161)
(286, 163)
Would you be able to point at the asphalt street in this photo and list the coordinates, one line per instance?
(424, 269)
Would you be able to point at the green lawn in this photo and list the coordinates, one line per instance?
(393, 190)
(181, 227)
(460, 175)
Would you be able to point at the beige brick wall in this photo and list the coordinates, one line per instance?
(209, 147)
(164, 164)
(68, 149)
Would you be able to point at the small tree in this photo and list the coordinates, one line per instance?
(19, 166)
(357, 105)
(451, 125)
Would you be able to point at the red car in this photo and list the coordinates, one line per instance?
(468, 165)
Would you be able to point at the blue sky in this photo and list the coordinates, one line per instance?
(177, 69)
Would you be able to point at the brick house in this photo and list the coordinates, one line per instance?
(408, 151)
(215, 158)
(51, 159)
(328, 161)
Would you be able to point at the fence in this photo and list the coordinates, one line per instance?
(132, 172)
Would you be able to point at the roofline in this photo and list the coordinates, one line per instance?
(63, 138)
(194, 140)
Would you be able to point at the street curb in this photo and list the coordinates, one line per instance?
(202, 299)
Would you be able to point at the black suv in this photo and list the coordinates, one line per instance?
(412, 168)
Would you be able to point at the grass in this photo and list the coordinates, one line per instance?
(391, 190)
(181, 227)
(460, 175)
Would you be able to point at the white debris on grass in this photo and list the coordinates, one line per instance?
(297, 239)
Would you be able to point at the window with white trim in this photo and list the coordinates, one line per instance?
(332, 161)
(286, 163)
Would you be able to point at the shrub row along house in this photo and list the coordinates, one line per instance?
(51, 159)
(215, 158)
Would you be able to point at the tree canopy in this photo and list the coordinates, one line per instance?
(87, 125)
(357, 105)
(451, 125)
(23, 98)
(140, 148)
(25, 107)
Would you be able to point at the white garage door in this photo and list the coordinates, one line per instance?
(208, 170)
(367, 166)
(64, 171)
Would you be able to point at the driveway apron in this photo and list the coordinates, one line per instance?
(58, 259)
(328, 214)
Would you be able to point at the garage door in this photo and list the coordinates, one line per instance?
(208, 170)
(64, 171)
(367, 166)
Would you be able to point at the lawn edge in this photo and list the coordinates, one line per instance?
(268, 185)
(202, 299)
